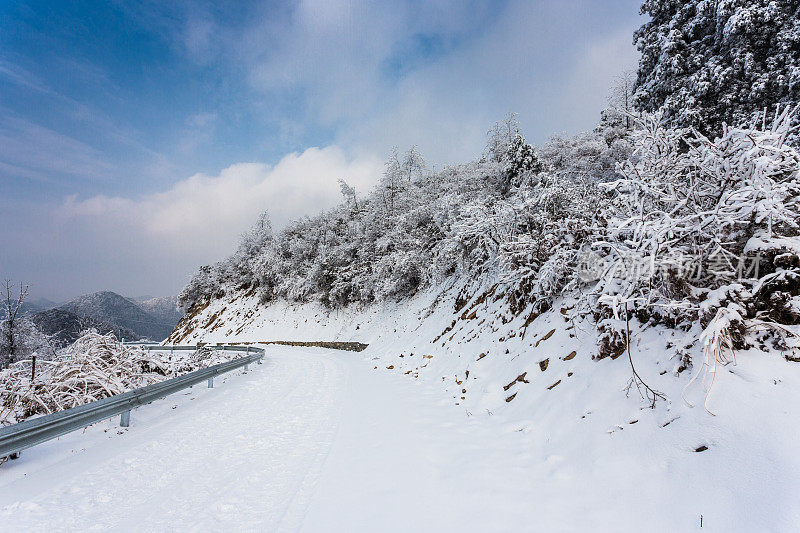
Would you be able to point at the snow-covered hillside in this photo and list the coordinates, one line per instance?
(584, 420)
(164, 308)
(638, 321)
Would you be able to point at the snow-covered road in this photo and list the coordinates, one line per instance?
(243, 454)
(311, 440)
(320, 440)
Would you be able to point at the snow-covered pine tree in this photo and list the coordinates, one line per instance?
(348, 194)
(709, 62)
(508, 147)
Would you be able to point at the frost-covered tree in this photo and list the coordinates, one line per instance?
(19, 336)
(413, 164)
(520, 163)
(241, 265)
(500, 137)
(508, 148)
(348, 194)
(709, 62)
(256, 238)
(620, 101)
(392, 182)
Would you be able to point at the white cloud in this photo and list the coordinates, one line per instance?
(542, 60)
(198, 220)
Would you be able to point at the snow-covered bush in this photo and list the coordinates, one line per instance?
(93, 367)
(697, 224)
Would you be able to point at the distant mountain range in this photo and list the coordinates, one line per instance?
(107, 311)
(40, 304)
(163, 308)
(65, 327)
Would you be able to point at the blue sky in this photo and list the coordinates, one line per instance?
(165, 127)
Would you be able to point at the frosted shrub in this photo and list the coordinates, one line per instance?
(697, 215)
(93, 367)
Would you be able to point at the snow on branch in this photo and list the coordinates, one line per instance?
(94, 367)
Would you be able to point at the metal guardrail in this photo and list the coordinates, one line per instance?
(17, 437)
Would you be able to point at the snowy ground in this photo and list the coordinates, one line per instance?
(554, 428)
(319, 440)
(312, 440)
(452, 420)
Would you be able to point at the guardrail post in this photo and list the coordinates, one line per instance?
(125, 419)
(210, 383)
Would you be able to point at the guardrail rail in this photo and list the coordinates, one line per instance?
(17, 437)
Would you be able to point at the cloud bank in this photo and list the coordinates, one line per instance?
(154, 242)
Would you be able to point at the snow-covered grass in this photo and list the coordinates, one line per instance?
(591, 441)
(93, 367)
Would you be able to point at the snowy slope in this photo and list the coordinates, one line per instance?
(591, 441)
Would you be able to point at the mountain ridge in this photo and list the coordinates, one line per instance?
(152, 319)
(65, 327)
